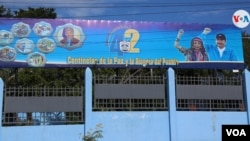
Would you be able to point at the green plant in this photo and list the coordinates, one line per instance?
(94, 135)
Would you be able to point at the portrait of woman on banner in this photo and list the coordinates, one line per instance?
(69, 36)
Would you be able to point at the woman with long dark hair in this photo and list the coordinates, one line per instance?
(196, 52)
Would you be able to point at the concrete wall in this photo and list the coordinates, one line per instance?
(169, 125)
(133, 126)
(43, 133)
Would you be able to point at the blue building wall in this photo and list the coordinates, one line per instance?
(169, 125)
(43, 133)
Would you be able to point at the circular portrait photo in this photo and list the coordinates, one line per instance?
(6, 37)
(69, 36)
(42, 29)
(20, 30)
(7, 54)
(36, 59)
(46, 45)
(24, 46)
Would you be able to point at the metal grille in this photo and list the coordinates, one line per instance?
(42, 91)
(130, 105)
(208, 80)
(42, 118)
(31, 103)
(130, 93)
(100, 79)
(196, 93)
(210, 105)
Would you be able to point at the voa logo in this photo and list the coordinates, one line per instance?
(236, 132)
(241, 18)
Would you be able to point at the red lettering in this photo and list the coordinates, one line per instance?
(236, 18)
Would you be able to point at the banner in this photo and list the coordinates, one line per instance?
(82, 43)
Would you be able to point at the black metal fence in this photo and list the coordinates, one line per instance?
(55, 106)
(206, 93)
(130, 93)
(43, 106)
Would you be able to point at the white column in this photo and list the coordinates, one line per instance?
(88, 100)
(247, 93)
(172, 105)
(1, 106)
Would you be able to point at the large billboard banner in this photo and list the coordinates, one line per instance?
(82, 43)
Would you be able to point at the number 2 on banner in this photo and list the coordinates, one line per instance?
(135, 37)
